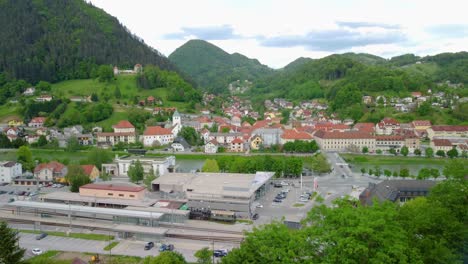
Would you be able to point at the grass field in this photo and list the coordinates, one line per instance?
(111, 245)
(98, 237)
(391, 160)
(9, 111)
(58, 257)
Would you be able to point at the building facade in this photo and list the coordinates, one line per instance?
(9, 170)
(345, 141)
(113, 191)
(120, 167)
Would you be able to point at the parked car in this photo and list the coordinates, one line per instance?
(166, 247)
(4, 184)
(219, 253)
(149, 245)
(278, 185)
(37, 251)
(304, 200)
(41, 236)
(11, 192)
(259, 206)
(33, 194)
(11, 200)
(255, 217)
(21, 193)
(2, 192)
(285, 190)
(27, 193)
(276, 200)
(284, 183)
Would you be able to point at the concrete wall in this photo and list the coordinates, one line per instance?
(115, 194)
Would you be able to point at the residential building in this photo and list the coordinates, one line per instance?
(270, 136)
(180, 144)
(124, 132)
(224, 138)
(91, 171)
(120, 166)
(9, 170)
(52, 171)
(441, 144)
(387, 142)
(44, 98)
(445, 131)
(211, 147)
(29, 91)
(387, 126)
(398, 191)
(291, 135)
(345, 141)
(237, 145)
(231, 192)
(256, 142)
(119, 191)
(157, 136)
(37, 122)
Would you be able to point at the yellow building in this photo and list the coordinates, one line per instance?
(15, 123)
(91, 171)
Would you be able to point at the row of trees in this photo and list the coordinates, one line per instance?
(423, 230)
(300, 146)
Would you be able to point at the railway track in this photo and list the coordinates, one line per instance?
(207, 238)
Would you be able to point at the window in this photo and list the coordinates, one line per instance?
(121, 195)
(110, 194)
(131, 195)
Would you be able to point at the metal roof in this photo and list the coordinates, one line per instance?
(87, 209)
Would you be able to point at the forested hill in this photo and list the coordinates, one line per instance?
(59, 40)
(212, 68)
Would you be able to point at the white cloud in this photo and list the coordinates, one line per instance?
(224, 21)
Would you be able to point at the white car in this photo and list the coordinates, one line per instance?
(259, 206)
(37, 251)
(285, 190)
(304, 200)
(284, 183)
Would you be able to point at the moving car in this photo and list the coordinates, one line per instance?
(37, 251)
(149, 245)
(166, 247)
(41, 236)
(219, 253)
(259, 206)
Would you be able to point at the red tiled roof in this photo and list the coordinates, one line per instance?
(294, 134)
(237, 141)
(261, 124)
(390, 121)
(441, 142)
(204, 119)
(156, 130)
(421, 123)
(214, 141)
(365, 127)
(53, 165)
(111, 187)
(342, 135)
(123, 124)
(38, 119)
(416, 94)
(450, 128)
(88, 169)
(150, 98)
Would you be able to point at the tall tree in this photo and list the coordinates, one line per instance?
(98, 156)
(453, 153)
(429, 152)
(190, 135)
(10, 252)
(150, 178)
(136, 172)
(404, 151)
(76, 177)
(166, 257)
(72, 144)
(24, 156)
(204, 256)
(456, 169)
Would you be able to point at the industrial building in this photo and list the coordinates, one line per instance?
(233, 192)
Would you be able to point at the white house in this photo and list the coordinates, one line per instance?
(159, 165)
(180, 144)
(211, 147)
(176, 123)
(156, 135)
(9, 170)
(29, 91)
(37, 122)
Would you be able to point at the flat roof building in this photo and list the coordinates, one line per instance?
(233, 192)
(121, 165)
(113, 190)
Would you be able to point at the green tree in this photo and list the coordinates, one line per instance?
(424, 109)
(204, 256)
(395, 174)
(435, 173)
(166, 257)
(377, 171)
(404, 172)
(453, 153)
(320, 164)
(363, 171)
(43, 86)
(117, 92)
(10, 251)
(387, 173)
(440, 153)
(94, 97)
(365, 150)
(42, 141)
(285, 113)
(225, 130)
(149, 179)
(190, 135)
(456, 168)
(24, 156)
(379, 151)
(98, 156)
(72, 144)
(424, 173)
(417, 152)
(429, 152)
(210, 165)
(76, 177)
(105, 73)
(404, 151)
(136, 172)
(392, 151)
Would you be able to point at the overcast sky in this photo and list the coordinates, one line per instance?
(278, 32)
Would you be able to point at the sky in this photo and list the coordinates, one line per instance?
(278, 32)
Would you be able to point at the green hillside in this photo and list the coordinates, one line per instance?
(212, 68)
(60, 40)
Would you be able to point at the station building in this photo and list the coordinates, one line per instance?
(233, 192)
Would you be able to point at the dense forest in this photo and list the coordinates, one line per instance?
(212, 68)
(60, 40)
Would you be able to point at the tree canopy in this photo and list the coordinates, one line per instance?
(11, 253)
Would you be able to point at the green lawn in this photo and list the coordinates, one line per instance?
(48, 257)
(98, 237)
(111, 245)
(298, 205)
(59, 257)
(9, 111)
(390, 160)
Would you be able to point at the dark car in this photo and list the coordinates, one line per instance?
(11, 192)
(219, 253)
(2, 192)
(149, 245)
(276, 200)
(4, 184)
(21, 193)
(255, 217)
(166, 247)
(278, 185)
(41, 236)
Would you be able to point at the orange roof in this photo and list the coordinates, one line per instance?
(112, 134)
(237, 141)
(365, 127)
(111, 187)
(53, 165)
(88, 169)
(38, 119)
(450, 128)
(421, 123)
(123, 124)
(296, 135)
(441, 142)
(156, 130)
